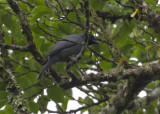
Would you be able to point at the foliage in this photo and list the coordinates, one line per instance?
(122, 28)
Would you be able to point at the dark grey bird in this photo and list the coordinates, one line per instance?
(63, 50)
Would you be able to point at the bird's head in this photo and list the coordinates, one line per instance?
(92, 40)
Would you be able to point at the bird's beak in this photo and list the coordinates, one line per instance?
(96, 42)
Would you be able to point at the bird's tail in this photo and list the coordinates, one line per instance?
(46, 66)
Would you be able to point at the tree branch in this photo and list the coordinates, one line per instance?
(25, 29)
(68, 83)
(14, 97)
(27, 32)
(142, 102)
(137, 79)
(141, 76)
(150, 16)
(14, 47)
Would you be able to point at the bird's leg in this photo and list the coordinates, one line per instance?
(70, 73)
(71, 62)
(45, 61)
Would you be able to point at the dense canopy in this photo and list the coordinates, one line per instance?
(111, 74)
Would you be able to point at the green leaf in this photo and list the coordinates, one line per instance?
(76, 72)
(2, 112)
(64, 28)
(60, 67)
(33, 107)
(158, 53)
(65, 103)
(153, 84)
(1, 14)
(127, 28)
(24, 82)
(30, 92)
(136, 32)
(140, 111)
(42, 102)
(152, 2)
(148, 47)
(97, 4)
(1, 7)
(39, 2)
(136, 53)
(81, 100)
(2, 86)
(36, 30)
(39, 11)
(8, 110)
(72, 16)
(88, 100)
(127, 48)
(3, 98)
(25, 7)
(151, 108)
(56, 93)
(82, 111)
(7, 20)
(44, 46)
(105, 65)
(124, 1)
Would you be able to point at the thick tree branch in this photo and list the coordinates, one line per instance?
(15, 98)
(27, 32)
(67, 83)
(114, 50)
(139, 75)
(88, 106)
(150, 16)
(137, 79)
(113, 17)
(25, 29)
(14, 47)
(142, 102)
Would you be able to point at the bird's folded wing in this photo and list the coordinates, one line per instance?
(66, 42)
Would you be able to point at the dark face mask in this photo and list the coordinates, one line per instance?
(92, 40)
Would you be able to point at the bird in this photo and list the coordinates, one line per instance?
(63, 50)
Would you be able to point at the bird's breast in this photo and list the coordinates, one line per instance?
(65, 54)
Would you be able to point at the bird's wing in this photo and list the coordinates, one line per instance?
(70, 41)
